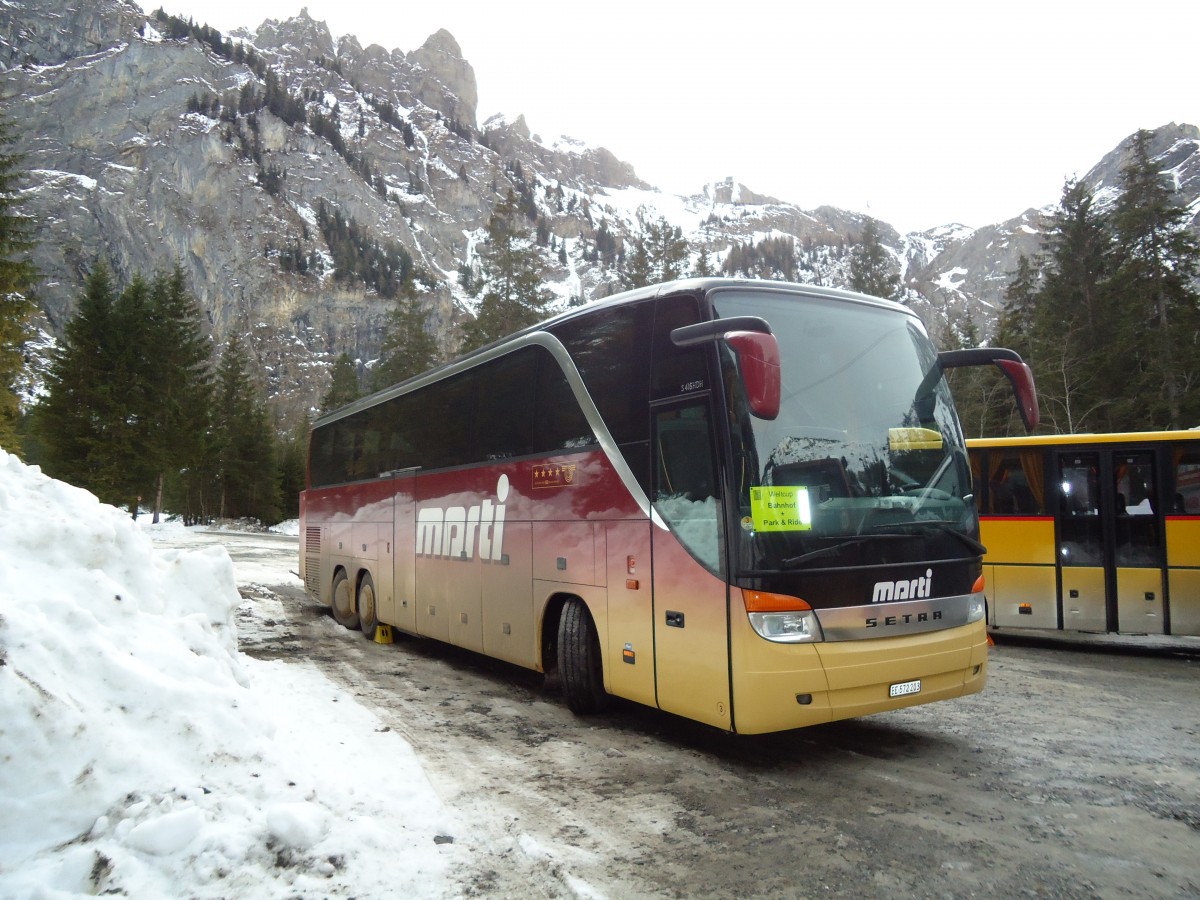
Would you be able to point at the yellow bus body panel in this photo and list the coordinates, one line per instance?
(1183, 542)
(847, 678)
(1010, 589)
(1018, 539)
(1185, 601)
(1086, 610)
(1140, 601)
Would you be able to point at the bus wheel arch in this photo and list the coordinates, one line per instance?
(366, 605)
(578, 658)
(342, 600)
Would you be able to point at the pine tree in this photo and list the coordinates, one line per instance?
(871, 266)
(180, 379)
(1073, 326)
(1017, 319)
(293, 463)
(514, 297)
(344, 387)
(660, 253)
(247, 465)
(74, 420)
(1015, 331)
(408, 347)
(132, 427)
(16, 283)
(1157, 262)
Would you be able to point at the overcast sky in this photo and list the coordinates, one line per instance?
(918, 113)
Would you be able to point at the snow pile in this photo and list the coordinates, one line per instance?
(140, 754)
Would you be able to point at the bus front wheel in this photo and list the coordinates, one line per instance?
(368, 615)
(343, 601)
(579, 663)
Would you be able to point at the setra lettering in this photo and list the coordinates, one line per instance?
(903, 619)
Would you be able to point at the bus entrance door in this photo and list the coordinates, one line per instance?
(691, 603)
(1110, 550)
(1137, 544)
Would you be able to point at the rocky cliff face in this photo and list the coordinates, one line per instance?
(135, 160)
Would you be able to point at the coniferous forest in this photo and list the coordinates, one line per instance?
(1107, 315)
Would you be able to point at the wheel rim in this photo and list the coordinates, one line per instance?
(366, 603)
(341, 598)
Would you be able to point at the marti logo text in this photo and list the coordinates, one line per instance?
(454, 531)
(916, 589)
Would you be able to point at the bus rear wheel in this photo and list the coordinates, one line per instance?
(368, 615)
(579, 662)
(343, 601)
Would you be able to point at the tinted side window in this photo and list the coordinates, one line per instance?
(444, 414)
(559, 423)
(609, 349)
(400, 431)
(504, 424)
(677, 371)
(322, 461)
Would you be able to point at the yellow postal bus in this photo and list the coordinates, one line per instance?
(1091, 532)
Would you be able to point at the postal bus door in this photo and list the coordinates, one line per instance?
(1110, 541)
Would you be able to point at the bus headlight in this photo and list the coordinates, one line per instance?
(978, 603)
(976, 609)
(781, 618)
(787, 627)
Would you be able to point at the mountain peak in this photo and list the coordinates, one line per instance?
(445, 80)
(300, 31)
(442, 41)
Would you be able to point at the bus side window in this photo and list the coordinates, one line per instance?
(1186, 493)
(685, 488)
(504, 417)
(677, 370)
(1015, 484)
(559, 423)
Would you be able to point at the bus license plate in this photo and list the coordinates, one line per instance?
(905, 687)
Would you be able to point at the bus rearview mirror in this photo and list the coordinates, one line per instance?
(1019, 375)
(758, 365)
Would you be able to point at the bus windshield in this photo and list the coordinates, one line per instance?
(865, 462)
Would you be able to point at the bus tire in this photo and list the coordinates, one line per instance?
(342, 601)
(368, 613)
(580, 666)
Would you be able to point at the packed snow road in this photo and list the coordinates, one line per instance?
(1074, 774)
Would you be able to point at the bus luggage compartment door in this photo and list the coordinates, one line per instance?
(629, 653)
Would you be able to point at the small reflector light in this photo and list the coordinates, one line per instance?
(980, 584)
(761, 601)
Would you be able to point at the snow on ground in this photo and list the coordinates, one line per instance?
(142, 755)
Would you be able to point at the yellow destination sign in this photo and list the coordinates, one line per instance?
(780, 508)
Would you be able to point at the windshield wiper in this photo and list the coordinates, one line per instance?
(926, 528)
(794, 562)
(948, 528)
(929, 526)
